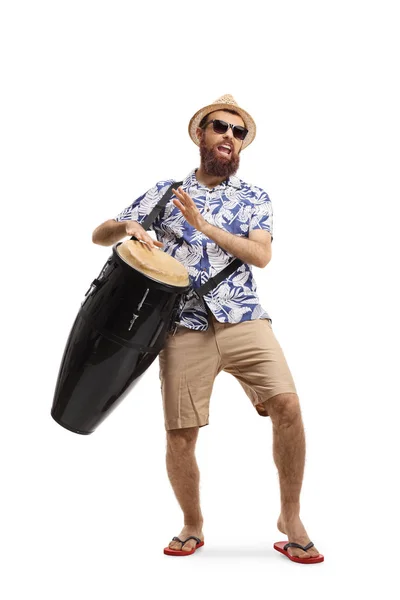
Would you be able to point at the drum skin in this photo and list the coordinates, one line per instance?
(120, 329)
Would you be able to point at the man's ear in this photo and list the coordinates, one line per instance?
(199, 133)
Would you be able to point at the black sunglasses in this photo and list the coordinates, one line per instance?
(219, 126)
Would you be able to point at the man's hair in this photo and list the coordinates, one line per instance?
(204, 119)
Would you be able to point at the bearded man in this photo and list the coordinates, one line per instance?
(213, 218)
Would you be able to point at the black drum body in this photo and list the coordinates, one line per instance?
(120, 329)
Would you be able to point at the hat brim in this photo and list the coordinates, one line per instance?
(248, 121)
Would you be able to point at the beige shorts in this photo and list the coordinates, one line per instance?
(191, 360)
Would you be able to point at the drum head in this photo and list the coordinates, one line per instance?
(154, 263)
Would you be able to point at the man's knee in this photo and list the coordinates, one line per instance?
(182, 439)
(283, 408)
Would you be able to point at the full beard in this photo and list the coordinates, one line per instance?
(215, 165)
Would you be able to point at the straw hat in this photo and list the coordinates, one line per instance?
(229, 102)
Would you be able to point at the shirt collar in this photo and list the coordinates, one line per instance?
(191, 181)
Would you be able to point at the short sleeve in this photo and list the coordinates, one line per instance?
(262, 214)
(140, 208)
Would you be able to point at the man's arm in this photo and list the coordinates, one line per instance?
(126, 223)
(109, 232)
(254, 250)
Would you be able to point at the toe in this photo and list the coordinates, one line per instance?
(298, 553)
(174, 545)
(189, 545)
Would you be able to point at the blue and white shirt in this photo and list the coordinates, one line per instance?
(233, 205)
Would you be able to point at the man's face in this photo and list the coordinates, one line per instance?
(219, 152)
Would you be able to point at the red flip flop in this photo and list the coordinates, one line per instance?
(283, 546)
(172, 552)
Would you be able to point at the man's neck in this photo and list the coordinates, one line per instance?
(210, 181)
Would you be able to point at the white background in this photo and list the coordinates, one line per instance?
(96, 99)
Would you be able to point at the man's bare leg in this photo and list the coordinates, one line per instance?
(289, 450)
(184, 476)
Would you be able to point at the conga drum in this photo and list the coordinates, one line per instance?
(120, 329)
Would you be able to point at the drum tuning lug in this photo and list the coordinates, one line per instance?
(96, 283)
(134, 317)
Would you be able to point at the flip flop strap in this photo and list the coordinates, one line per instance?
(294, 545)
(191, 537)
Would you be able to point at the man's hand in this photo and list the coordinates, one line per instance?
(189, 209)
(133, 228)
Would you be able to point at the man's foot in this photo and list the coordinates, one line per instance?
(185, 533)
(295, 531)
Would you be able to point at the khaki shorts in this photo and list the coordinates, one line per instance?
(191, 360)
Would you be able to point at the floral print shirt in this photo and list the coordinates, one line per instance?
(233, 205)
